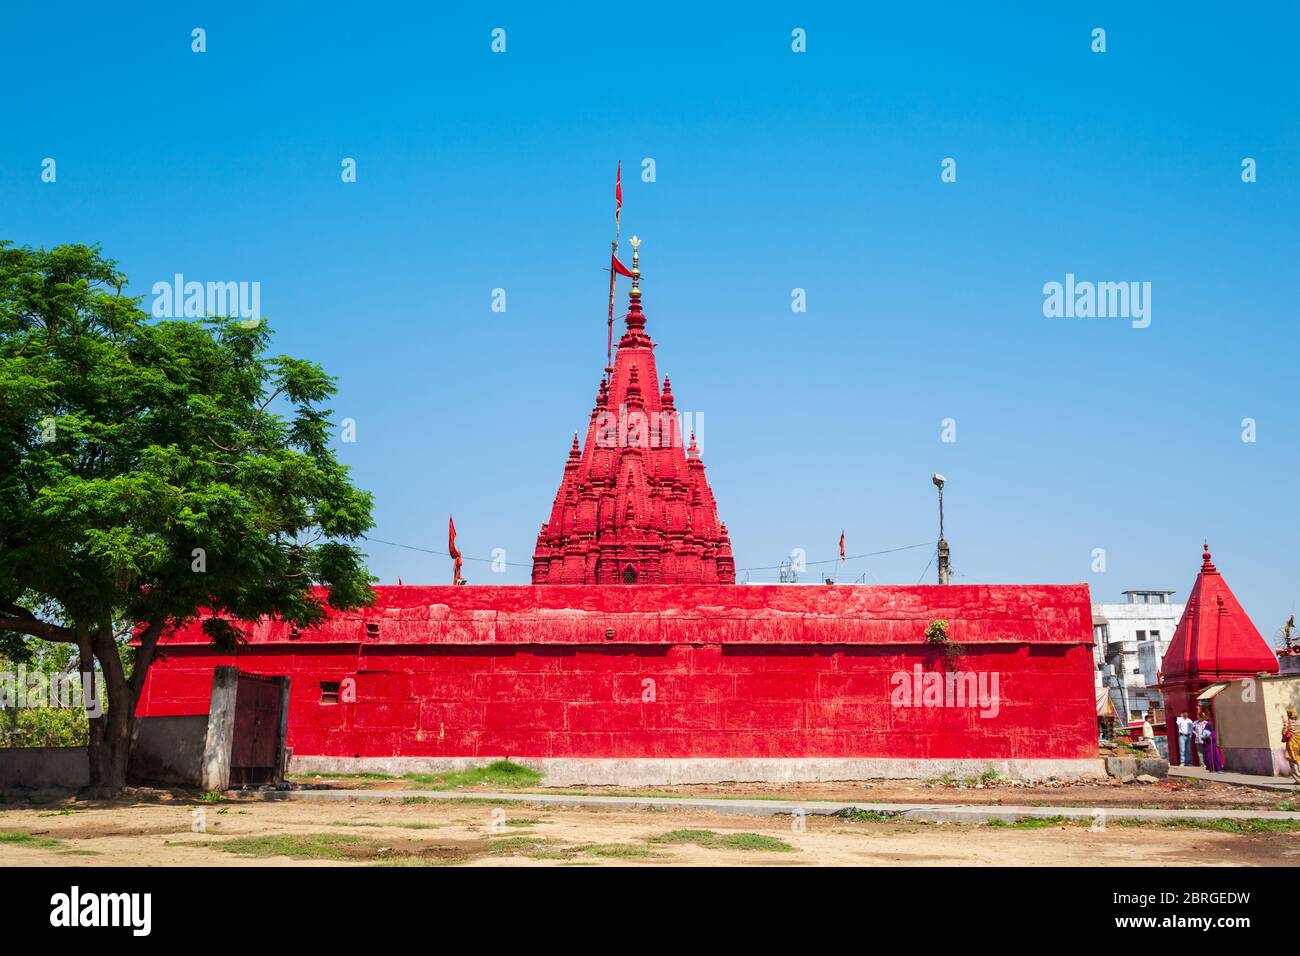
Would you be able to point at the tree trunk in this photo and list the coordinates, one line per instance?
(94, 726)
(119, 716)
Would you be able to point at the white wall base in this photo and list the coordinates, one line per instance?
(644, 772)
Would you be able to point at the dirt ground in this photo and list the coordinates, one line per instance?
(173, 830)
(1172, 793)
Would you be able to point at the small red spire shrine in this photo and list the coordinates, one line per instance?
(634, 506)
(1215, 641)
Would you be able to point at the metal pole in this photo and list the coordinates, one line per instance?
(943, 544)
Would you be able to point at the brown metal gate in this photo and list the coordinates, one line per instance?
(255, 750)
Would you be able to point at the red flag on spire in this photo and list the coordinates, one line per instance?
(452, 549)
(618, 193)
(620, 268)
(841, 545)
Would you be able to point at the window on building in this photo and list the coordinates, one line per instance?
(629, 575)
(329, 692)
(1141, 635)
(1155, 635)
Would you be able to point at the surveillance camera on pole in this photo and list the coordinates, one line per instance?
(939, 481)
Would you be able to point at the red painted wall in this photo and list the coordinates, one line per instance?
(737, 671)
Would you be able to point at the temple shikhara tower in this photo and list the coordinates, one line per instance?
(634, 506)
(1215, 641)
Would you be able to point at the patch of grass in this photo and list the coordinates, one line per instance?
(522, 822)
(342, 846)
(686, 836)
(358, 775)
(732, 841)
(502, 773)
(541, 848)
(1227, 825)
(23, 838)
(756, 841)
(301, 846)
(61, 812)
(1037, 823)
(1217, 824)
(78, 852)
(516, 844)
(858, 815)
(412, 825)
(454, 801)
(342, 775)
(533, 847)
(619, 851)
(211, 797)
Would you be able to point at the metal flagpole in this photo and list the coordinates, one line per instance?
(609, 344)
(613, 276)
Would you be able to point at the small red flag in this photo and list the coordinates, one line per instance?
(619, 267)
(618, 192)
(841, 545)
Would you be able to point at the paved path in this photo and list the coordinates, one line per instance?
(950, 813)
(1240, 779)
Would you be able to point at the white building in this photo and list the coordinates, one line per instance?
(1130, 641)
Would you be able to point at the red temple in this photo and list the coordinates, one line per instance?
(1215, 641)
(687, 678)
(662, 684)
(634, 506)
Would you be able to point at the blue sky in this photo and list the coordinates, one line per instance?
(774, 170)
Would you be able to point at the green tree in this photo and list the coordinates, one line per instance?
(154, 472)
(45, 726)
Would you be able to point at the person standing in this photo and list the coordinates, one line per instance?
(1198, 734)
(1211, 753)
(1148, 733)
(1291, 741)
(1184, 740)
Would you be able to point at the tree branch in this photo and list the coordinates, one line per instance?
(24, 622)
(217, 444)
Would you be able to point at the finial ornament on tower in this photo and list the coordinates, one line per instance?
(635, 336)
(636, 267)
